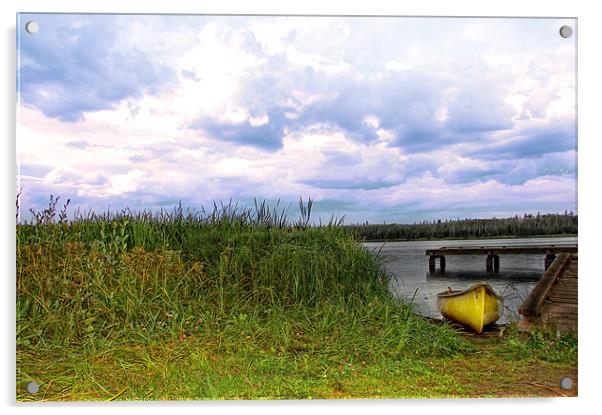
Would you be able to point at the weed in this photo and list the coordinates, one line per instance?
(547, 345)
(231, 303)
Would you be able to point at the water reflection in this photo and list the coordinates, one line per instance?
(515, 276)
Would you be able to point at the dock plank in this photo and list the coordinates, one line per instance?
(554, 301)
(532, 305)
(503, 249)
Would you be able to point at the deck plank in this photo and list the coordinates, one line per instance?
(554, 301)
(503, 249)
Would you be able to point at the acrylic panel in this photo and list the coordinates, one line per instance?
(295, 207)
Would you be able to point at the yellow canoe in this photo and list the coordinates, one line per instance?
(475, 307)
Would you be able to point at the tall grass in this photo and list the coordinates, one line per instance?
(243, 278)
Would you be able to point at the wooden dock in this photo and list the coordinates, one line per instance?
(553, 301)
(493, 252)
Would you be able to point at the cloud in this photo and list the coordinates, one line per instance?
(34, 170)
(253, 131)
(420, 104)
(508, 171)
(137, 158)
(419, 107)
(124, 183)
(80, 144)
(532, 140)
(350, 184)
(341, 157)
(478, 108)
(73, 66)
(380, 118)
(191, 75)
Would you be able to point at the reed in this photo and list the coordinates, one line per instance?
(241, 287)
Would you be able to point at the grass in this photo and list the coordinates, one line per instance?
(231, 304)
(218, 365)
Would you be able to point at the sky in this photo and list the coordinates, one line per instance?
(378, 119)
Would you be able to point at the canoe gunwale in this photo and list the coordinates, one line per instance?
(452, 294)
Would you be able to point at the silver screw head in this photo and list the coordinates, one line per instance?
(33, 387)
(566, 383)
(32, 27)
(566, 31)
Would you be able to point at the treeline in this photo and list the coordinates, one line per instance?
(518, 226)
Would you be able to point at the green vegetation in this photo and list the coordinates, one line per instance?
(230, 304)
(541, 345)
(517, 227)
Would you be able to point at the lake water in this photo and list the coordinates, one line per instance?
(407, 265)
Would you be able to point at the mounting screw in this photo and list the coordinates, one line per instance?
(32, 27)
(566, 383)
(33, 387)
(566, 31)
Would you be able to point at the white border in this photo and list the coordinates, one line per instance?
(589, 71)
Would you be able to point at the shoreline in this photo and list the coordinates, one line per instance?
(472, 239)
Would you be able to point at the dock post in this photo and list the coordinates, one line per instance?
(432, 264)
(550, 257)
(442, 263)
(489, 263)
(496, 263)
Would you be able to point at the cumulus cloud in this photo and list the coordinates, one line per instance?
(376, 118)
(249, 132)
(34, 170)
(74, 66)
(81, 144)
(531, 140)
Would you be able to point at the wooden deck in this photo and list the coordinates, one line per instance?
(493, 252)
(503, 249)
(553, 301)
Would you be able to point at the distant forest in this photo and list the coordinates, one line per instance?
(517, 226)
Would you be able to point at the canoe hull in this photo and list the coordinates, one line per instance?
(475, 307)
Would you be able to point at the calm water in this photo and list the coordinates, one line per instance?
(407, 264)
